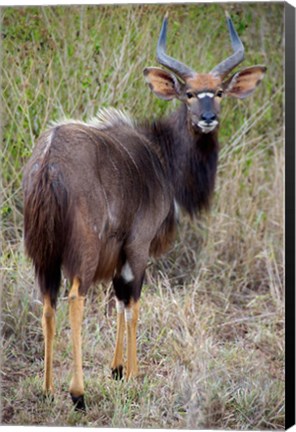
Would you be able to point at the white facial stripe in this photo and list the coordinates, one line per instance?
(204, 94)
(128, 313)
(126, 273)
(119, 306)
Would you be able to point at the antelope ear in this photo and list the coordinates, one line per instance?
(164, 84)
(243, 83)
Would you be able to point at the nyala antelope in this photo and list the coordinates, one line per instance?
(101, 197)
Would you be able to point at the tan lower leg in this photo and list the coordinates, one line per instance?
(76, 305)
(118, 354)
(131, 316)
(48, 325)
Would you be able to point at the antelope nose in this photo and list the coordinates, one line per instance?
(208, 117)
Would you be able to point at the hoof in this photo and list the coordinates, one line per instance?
(78, 402)
(117, 373)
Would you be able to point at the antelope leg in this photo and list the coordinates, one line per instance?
(76, 306)
(48, 325)
(117, 362)
(131, 318)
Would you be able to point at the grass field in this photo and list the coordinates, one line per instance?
(211, 331)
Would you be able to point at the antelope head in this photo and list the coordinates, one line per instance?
(202, 92)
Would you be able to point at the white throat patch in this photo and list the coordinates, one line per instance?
(206, 127)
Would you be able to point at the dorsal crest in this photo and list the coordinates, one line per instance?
(108, 117)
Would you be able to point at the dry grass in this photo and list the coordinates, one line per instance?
(211, 331)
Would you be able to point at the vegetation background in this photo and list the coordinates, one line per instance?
(211, 331)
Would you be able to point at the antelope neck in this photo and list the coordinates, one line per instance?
(190, 159)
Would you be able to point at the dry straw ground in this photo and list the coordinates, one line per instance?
(211, 334)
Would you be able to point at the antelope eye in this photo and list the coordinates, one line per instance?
(189, 95)
(219, 93)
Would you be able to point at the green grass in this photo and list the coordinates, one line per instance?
(211, 331)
